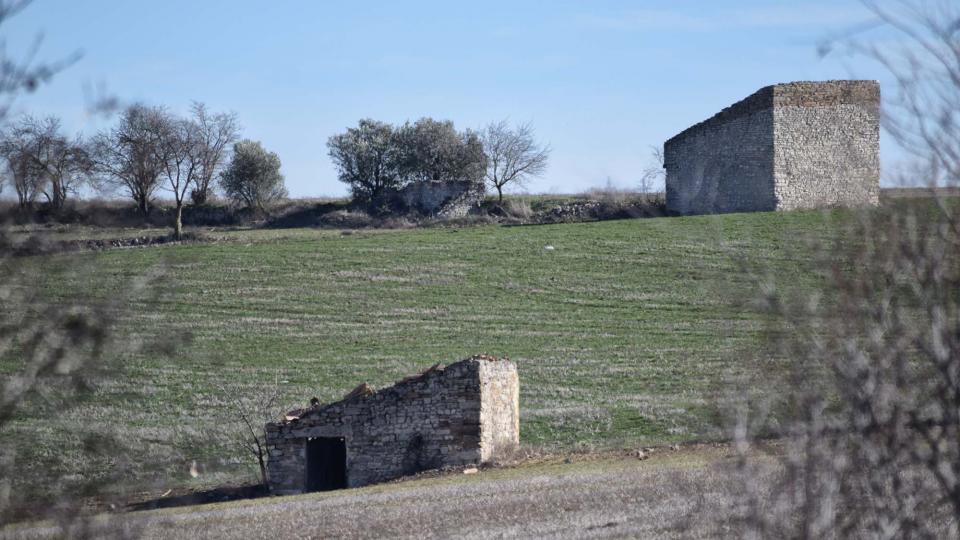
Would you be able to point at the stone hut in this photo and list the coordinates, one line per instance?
(464, 414)
(787, 146)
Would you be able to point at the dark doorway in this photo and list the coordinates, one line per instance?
(326, 463)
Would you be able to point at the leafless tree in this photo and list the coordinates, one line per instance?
(54, 165)
(245, 416)
(178, 151)
(871, 411)
(513, 155)
(58, 344)
(17, 149)
(654, 172)
(129, 156)
(216, 133)
(872, 372)
(65, 163)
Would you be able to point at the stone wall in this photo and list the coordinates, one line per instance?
(442, 199)
(795, 145)
(724, 164)
(827, 144)
(464, 414)
(499, 409)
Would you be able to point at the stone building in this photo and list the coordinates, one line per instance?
(463, 414)
(787, 146)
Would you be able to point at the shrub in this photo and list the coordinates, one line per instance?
(518, 209)
(253, 176)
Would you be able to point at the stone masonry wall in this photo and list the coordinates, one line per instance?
(443, 199)
(499, 409)
(827, 144)
(723, 165)
(437, 419)
(795, 145)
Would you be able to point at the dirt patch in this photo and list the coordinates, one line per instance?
(208, 496)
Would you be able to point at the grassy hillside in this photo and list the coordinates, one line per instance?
(625, 332)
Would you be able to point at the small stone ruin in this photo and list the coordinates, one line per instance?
(461, 415)
(449, 199)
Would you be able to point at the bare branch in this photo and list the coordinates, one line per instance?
(249, 411)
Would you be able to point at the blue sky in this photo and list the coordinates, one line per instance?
(600, 80)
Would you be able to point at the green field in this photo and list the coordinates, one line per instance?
(625, 333)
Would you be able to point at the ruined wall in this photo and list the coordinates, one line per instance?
(466, 413)
(442, 199)
(795, 145)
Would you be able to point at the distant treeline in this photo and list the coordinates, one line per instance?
(149, 149)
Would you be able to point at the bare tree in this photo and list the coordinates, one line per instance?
(246, 415)
(19, 76)
(60, 343)
(178, 150)
(872, 388)
(513, 155)
(65, 163)
(128, 156)
(872, 363)
(17, 148)
(57, 165)
(216, 133)
(654, 172)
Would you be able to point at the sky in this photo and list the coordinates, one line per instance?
(601, 81)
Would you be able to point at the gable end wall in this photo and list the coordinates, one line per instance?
(827, 144)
